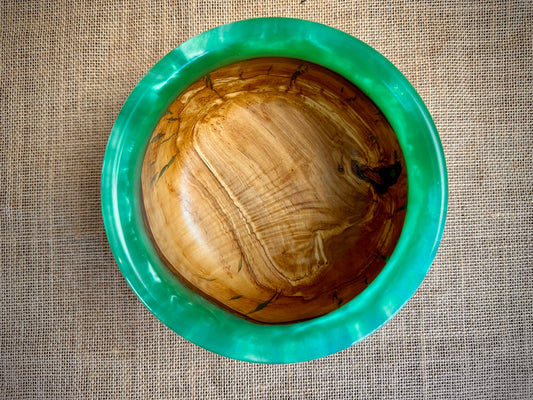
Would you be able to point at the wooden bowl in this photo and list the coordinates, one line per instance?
(270, 209)
(275, 188)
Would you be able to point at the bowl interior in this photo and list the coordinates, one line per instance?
(275, 188)
(190, 314)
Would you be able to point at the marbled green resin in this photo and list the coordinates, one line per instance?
(189, 314)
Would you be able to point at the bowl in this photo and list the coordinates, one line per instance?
(274, 190)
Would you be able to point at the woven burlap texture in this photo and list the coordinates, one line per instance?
(70, 327)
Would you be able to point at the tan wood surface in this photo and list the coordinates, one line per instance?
(275, 188)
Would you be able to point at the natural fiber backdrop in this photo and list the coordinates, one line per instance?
(70, 327)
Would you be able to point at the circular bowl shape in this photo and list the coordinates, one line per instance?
(255, 196)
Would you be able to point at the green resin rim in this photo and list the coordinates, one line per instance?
(189, 314)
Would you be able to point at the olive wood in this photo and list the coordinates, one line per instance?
(275, 188)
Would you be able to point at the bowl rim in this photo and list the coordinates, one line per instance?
(188, 313)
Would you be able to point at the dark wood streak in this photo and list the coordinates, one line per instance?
(266, 303)
(381, 178)
(302, 68)
(168, 138)
(157, 137)
(167, 166)
(209, 84)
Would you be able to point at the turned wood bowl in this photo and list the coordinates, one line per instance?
(274, 190)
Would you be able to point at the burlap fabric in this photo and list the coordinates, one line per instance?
(72, 328)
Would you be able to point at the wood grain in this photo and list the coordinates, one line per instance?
(275, 188)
